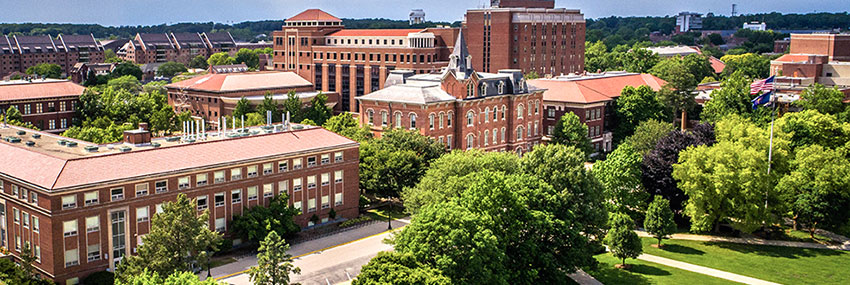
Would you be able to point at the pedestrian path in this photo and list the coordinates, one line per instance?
(704, 270)
(756, 241)
(582, 278)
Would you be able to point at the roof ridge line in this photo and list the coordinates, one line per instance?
(56, 180)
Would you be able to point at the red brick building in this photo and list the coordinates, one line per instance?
(813, 58)
(48, 104)
(527, 35)
(592, 98)
(83, 207)
(353, 63)
(215, 95)
(17, 53)
(835, 46)
(459, 107)
(179, 47)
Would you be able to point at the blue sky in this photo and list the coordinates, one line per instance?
(150, 12)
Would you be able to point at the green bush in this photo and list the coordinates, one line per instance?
(314, 219)
(354, 221)
(332, 214)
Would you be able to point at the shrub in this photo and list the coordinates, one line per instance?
(100, 278)
(332, 214)
(314, 219)
(355, 221)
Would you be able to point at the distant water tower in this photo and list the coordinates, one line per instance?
(734, 10)
(417, 16)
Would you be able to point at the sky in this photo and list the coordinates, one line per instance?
(154, 12)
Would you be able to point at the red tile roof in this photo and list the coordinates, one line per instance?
(229, 82)
(592, 90)
(39, 89)
(314, 15)
(793, 58)
(56, 174)
(375, 33)
(716, 64)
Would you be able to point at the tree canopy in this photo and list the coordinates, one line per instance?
(570, 131)
(345, 125)
(220, 58)
(647, 134)
(397, 160)
(391, 267)
(634, 106)
(171, 68)
(127, 68)
(822, 99)
(47, 70)
(659, 219)
(249, 57)
(620, 175)
(274, 264)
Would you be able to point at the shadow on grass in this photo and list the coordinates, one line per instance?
(775, 251)
(648, 270)
(682, 249)
(610, 275)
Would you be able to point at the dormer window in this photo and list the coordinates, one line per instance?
(501, 87)
(483, 89)
(470, 92)
(468, 61)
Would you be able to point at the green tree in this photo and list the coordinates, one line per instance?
(48, 70)
(678, 93)
(308, 122)
(221, 58)
(569, 130)
(110, 57)
(396, 161)
(813, 128)
(531, 75)
(659, 219)
(294, 106)
(13, 114)
(818, 188)
(750, 65)
(823, 99)
(162, 120)
(595, 56)
(273, 263)
(249, 57)
(11, 273)
(621, 239)
(345, 125)
(699, 66)
(27, 260)
(639, 60)
(243, 108)
(620, 175)
(127, 68)
(319, 111)
(398, 268)
(170, 69)
(126, 83)
(647, 134)
(634, 106)
(267, 105)
(147, 276)
(177, 235)
(733, 97)
(257, 222)
(199, 61)
(255, 119)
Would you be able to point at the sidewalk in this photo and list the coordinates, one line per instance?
(704, 270)
(754, 241)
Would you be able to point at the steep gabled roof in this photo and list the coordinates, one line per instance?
(314, 15)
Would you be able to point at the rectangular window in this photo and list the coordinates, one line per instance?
(311, 161)
(17, 215)
(219, 199)
(71, 257)
(252, 171)
(326, 158)
(252, 193)
(326, 202)
(37, 253)
(92, 224)
(338, 199)
(296, 163)
(326, 179)
(90, 198)
(35, 224)
(236, 196)
(17, 243)
(69, 228)
(338, 176)
(69, 202)
(14, 190)
(267, 168)
(202, 203)
(338, 156)
(158, 208)
(26, 220)
(142, 214)
(268, 190)
(296, 184)
(282, 166)
(218, 176)
(311, 182)
(117, 194)
(311, 205)
(141, 189)
(200, 179)
(297, 205)
(93, 252)
(236, 174)
(161, 186)
(283, 186)
(220, 225)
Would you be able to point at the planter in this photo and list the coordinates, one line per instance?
(21, 133)
(71, 144)
(30, 143)
(125, 149)
(91, 148)
(155, 145)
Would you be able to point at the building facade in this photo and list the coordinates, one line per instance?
(814, 58)
(17, 53)
(459, 107)
(416, 17)
(688, 21)
(82, 207)
(548, 4)
(352, 63)
(48, 104)
(542, 40)
(592, 98)
(835, 46)
(213, 96)
(179, 47)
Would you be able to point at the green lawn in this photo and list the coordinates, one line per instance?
(382, 212)
(785, 265)
(644, 272)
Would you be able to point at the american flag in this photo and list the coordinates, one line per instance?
(761, 85)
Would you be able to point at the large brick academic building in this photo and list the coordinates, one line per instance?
(49, 104)
(17, 53)
(179, 47)
(82, 207)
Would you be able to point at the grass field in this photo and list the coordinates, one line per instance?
(644, 272)
(785, 265)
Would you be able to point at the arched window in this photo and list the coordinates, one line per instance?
(371, 117)
(495, 113)
(503, 134)
(519, 151)
(519, 133)
(412, 120)
(486, 137)
(470, 91)
(431, 121)
(535, 127)
(483, 89)
(519, 111)
(449, 119)
(504, 110)
(530, 105)
(495, 136)
(384, 118)
(470, 117)
(487, 114)
(442, 118)
(398, 119)
(501, 87)
(470, 140)
(536, 107)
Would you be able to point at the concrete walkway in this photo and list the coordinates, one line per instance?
(583, 278)
(756, 241)
(704, 270)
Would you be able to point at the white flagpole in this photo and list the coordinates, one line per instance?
(774, 101)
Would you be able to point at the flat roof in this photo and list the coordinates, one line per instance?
(241, 81)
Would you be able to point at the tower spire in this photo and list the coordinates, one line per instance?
(460, 61)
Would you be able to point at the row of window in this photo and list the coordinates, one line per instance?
(374, 57)
(27, 108)
(470, 138)
(370, 114)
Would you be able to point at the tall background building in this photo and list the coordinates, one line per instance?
(17, 53)
(687, 21)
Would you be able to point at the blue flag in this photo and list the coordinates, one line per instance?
(761, 100)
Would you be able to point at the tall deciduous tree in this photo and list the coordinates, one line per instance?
(127, 68)
(634, 106)
(399, 268)
(220, 58)
(199, 62)
(256, 223)
(659, 219)
(620, 176)
(621, 239)
(269, 104)
(243, 107)
(48, 70)
(319, 111)
(396, 161)
(822, 99)
(147, 276)
(273, 263)
(294, 106)
(733, 97)
(248, 57)
(813, 128)
(170, 69)
(678, 93)
(752, 66)
(177, 235)
(647, 134)
(345, 125)
(639, 60)
(570, 131)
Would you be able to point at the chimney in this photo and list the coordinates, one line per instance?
(137, 137)
(143, 126)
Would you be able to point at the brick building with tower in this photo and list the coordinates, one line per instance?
(17, 53)
(352, 63)
(49, 104)
(82, 207)
(459, 107)
(529, 35)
